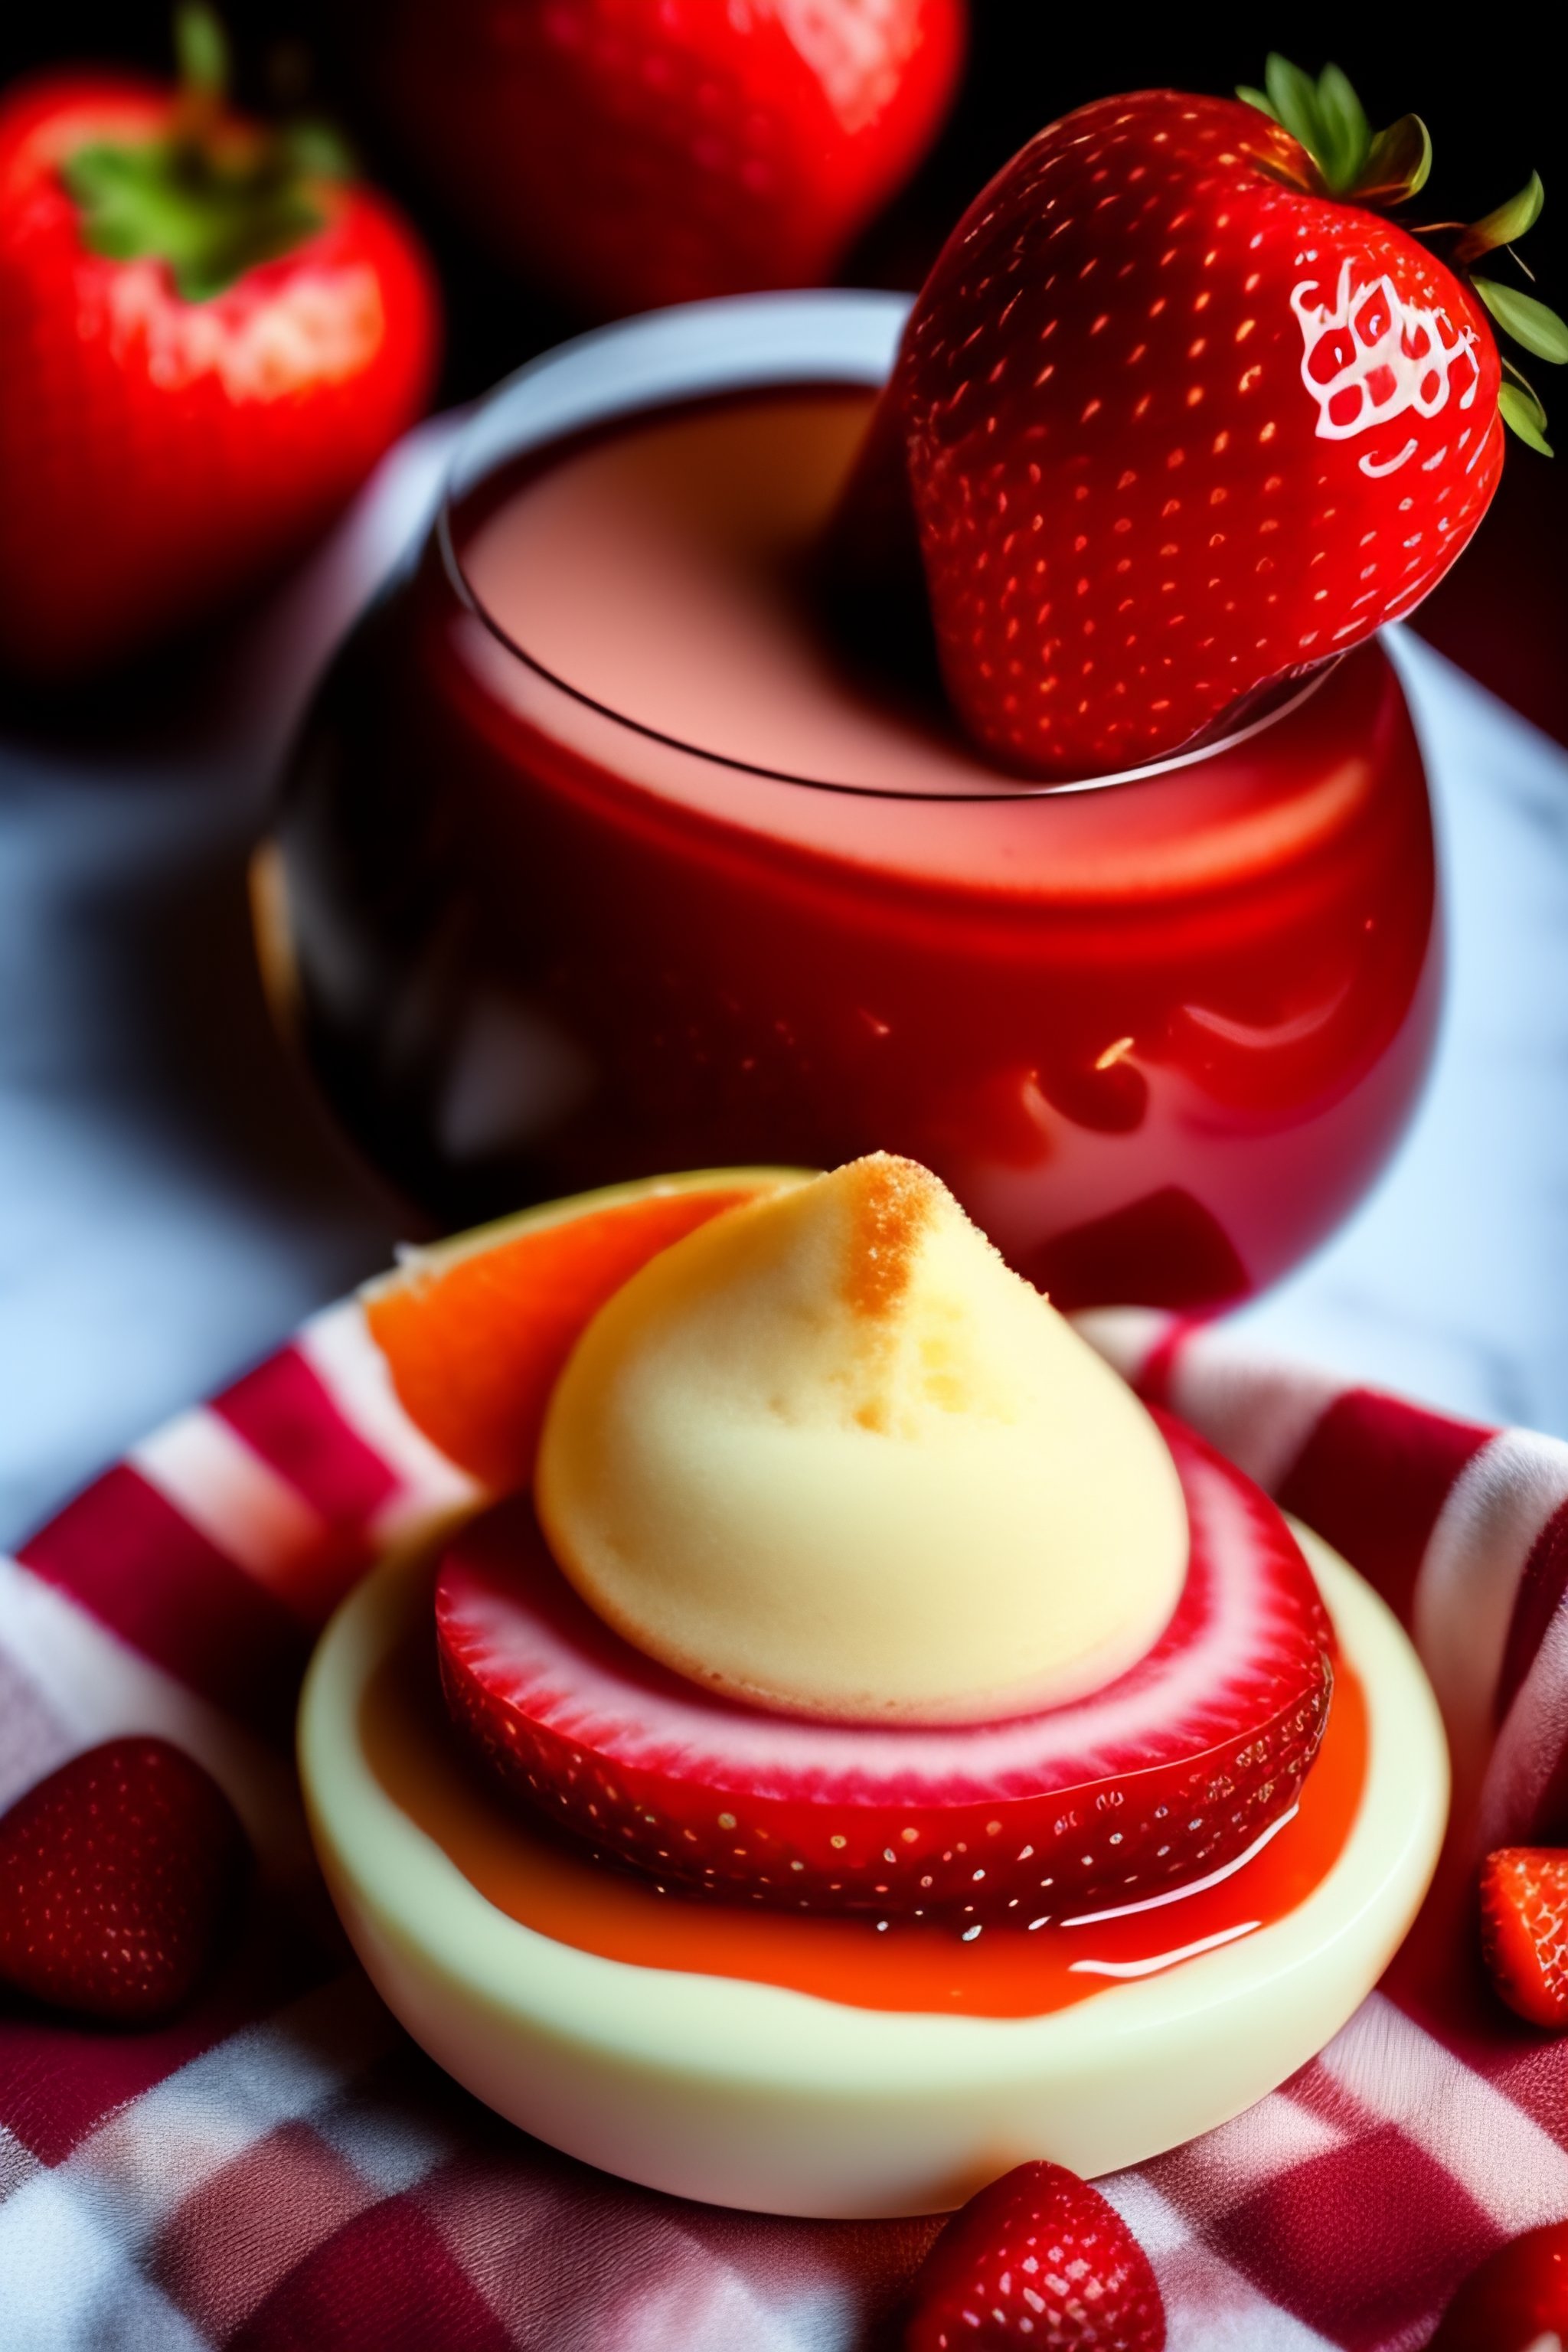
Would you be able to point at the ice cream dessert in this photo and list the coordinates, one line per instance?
(865, 1745)
(832, 1457)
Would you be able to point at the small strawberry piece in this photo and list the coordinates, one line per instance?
(1169, 1772)
(1524, 1930)
(1039, 2260)
(117, 1874)
(1179, 424)
(210, 338)
(1516, 2300)
(631, 152)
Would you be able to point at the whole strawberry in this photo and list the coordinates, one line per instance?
(1183, 416)
(626, 153)
(209, 341)
(1516, 2300)
(1524, 1931)
(1039, 2260)
(117, 1876)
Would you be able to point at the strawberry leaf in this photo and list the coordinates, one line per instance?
(1398, 163)
(209, 219)
(317, 150)
(1294, 99)
(1523, 414)
(1344, 129)
(207, 198)
(1329, 121)
(1530, 322)
(201, 51)
(1506, 225)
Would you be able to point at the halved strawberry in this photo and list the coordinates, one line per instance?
(1524, 1930)
(1040, 2260)
(116, 1877)
(1168, 1773)
(1516, 2300)
(1182, 415)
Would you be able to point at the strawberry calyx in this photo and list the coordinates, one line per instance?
(1328, 120)
(209, 197)
(1532, 323)
(1504, 226)
(1381, 169)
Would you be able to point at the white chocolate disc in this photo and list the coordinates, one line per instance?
(745, 2094)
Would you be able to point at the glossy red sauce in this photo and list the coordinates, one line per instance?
(567, 915)
(909, 1965)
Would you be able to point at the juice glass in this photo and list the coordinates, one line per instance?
(1158, 1030)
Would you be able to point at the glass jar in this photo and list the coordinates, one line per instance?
(1159, 1031)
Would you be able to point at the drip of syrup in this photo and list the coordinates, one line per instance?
(1001, 1970)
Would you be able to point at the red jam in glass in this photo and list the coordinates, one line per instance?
(596, 859)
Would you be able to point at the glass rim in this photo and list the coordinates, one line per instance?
(845, 299)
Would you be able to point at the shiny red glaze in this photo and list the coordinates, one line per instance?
(1165, 1776)
(518, 972)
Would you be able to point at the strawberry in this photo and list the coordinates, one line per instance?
(1524, 1930)
(1516, 2300)
(209, 341)
(1169, 1772)
(626, 153)
(117, 1874)
(1183, 416)
(1038, 2259)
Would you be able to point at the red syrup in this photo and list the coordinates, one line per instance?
(597, 860)
(1003, 1972)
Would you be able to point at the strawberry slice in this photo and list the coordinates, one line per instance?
(1524, 1930)
(1170, 1772)
(117, 1876)
(1182, 416)
(1038, 2259)
(1516, 2300)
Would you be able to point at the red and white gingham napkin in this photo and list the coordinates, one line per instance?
(281, 2170)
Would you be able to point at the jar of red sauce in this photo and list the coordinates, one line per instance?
(595, 859)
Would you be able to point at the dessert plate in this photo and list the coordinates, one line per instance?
(765, 2078)
(226, 1541)
(741, 2093)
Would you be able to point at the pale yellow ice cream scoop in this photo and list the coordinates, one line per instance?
(828, 1454)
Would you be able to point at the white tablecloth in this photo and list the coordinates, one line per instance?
(171, 1203)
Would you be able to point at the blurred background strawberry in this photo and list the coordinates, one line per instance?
(625, 153)
(211, 334)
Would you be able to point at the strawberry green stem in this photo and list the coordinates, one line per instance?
(207, 197)
(201, 55)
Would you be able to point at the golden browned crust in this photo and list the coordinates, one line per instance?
(891, 1204)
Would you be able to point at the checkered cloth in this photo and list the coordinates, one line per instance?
(279, 2169)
